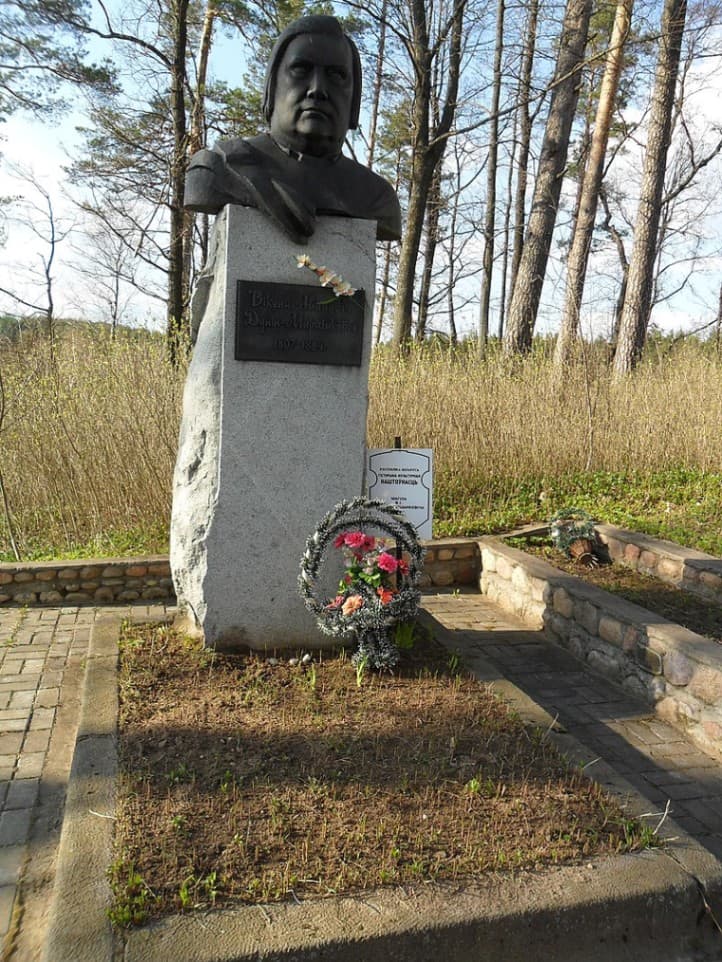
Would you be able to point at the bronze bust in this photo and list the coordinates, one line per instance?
(295, 171)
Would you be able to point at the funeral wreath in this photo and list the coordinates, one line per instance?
(572, 531)
(379, 588)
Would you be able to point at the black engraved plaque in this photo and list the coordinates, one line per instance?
(298, 324)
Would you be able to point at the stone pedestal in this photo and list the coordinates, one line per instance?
(266, 447)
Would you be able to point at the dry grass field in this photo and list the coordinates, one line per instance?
(87, 442)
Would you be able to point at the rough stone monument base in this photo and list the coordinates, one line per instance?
(266, 447)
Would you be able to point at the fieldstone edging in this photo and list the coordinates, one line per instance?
(98, 582)
(696, 572)
(673, 669)
(451, 561)
(447, 561)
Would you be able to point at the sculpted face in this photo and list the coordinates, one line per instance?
(313, 94)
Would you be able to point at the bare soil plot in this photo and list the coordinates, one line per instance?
(252, 780)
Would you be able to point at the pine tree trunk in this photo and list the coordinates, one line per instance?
(428, 150)
(522, 165)
(490, 215)
(378, 78)
(552, 162)
(384, 286)
(640, 280)
(177, 284)
(590, 186)
(404, 300)
(433, 207)
(506, 234)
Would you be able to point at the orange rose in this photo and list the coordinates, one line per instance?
(385, 594)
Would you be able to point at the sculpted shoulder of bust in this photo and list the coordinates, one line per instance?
(296, 171)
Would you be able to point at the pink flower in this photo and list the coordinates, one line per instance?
(355, 539)
(339, 541)
(403, 567)
(387, 562)
(351, 604)
(336, 602)
(369, 542)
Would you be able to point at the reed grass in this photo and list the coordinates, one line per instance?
(514, 438)
(88, 440)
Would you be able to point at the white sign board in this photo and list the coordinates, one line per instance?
(404, 477)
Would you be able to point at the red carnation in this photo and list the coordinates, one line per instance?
(355, 539)
(387, 562)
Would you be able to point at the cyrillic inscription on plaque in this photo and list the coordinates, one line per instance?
(298, 324)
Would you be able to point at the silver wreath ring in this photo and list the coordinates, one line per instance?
(362, 513)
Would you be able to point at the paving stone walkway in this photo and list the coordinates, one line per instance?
(654, 757)
(42, 661)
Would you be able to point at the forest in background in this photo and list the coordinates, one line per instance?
(551, 158)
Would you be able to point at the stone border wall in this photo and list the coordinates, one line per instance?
(451, 561)
(696, 572)
(673, 669)
(448, 561)
(86, 582)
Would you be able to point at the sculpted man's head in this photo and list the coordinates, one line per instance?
(297, 171)
(312, 95)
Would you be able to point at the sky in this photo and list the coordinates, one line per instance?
(37, 150)
(41, 150)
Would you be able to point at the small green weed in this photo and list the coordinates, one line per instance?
(185, 892)
(360, 671)
(181, 773)
(228, 782)
(404, 633)
(132, 898)
(209, 886)
(12, 637)
(638, 836)
(192, 888)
